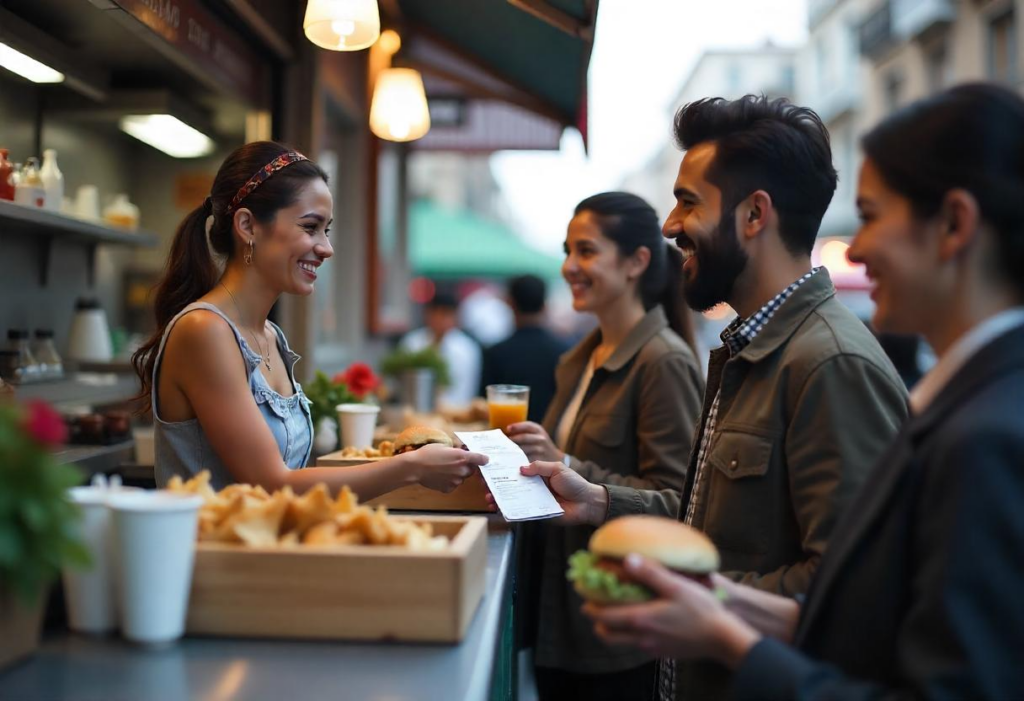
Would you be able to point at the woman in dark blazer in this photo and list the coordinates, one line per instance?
(627, 399)
(920, 592)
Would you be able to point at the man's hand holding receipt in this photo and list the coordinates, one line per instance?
(518, 496)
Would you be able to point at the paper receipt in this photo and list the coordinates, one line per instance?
(519, 497)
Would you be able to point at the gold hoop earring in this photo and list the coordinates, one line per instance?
(248, 254)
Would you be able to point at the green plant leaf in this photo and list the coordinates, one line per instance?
(428, 358)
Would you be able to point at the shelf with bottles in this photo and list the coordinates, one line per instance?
(47, 226)
(25, 362)
(16, 219)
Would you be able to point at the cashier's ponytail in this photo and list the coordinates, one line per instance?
(192, 269)
(630, 222)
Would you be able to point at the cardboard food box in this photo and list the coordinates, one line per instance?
(352, 592)
(468, 496)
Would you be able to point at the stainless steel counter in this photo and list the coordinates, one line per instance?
(71, 667)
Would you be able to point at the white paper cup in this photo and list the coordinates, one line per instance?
(145, 453)
(154, 540)
(89, 592)
(357, 422)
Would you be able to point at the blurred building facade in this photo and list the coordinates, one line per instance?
(456, 181)
(866, 58)
(832, 79)
(770, 70)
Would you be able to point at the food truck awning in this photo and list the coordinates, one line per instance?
(531, 54)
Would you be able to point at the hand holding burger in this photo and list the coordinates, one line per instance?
(435, 463)
(598, 572)
(661, 601)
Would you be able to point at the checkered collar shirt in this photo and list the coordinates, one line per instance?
(737, 336)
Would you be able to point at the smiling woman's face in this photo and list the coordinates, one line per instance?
(289, 249)
(900, 255)
(596, 272)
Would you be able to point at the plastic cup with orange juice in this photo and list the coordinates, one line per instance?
(507, 404)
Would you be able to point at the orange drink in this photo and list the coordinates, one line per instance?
(504, 413)
(507, 404)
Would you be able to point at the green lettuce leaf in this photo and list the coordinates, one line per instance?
(602, 585)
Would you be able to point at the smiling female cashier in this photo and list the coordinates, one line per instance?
(220, 376)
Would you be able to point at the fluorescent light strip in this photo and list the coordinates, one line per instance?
(168, 134)
(27, 67)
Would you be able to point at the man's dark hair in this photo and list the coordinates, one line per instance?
(765, 144)
(527, 293)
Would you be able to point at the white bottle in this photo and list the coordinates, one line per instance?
(30, 191)
(53, 180)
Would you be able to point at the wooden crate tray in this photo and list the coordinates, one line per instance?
(356, 592)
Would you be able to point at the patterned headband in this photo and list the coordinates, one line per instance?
(282, 161)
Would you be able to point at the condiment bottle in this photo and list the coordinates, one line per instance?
(53, 180)
(122, 213)
(6, 170)
(30, 191)
(50, 364)
(27, 369)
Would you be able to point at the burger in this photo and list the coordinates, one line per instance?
(598, 574)
(418, 436)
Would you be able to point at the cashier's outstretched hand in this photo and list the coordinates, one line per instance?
(534, 441)
(443, 469)
(685, 620)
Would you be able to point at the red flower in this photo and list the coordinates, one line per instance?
(360, 379)
(44, 424)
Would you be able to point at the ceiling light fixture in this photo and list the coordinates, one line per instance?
(399, 109)
(27, 67)
(342, 25)
(167, 133)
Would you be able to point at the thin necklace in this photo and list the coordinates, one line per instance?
(265, 357)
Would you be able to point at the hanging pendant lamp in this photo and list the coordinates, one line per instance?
(342, 25)
(399, 109)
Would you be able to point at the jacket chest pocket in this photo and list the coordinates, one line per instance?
(740, 498)
(606, 430)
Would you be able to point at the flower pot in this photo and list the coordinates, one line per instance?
(419, 390)
(21, 625)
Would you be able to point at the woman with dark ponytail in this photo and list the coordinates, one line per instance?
(627, 400)
(218, 375)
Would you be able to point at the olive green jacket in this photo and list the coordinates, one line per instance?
(633, 428)
(805, 411)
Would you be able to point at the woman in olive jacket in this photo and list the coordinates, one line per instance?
(628, 397)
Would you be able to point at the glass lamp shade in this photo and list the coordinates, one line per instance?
(399, 108)
(342, 25)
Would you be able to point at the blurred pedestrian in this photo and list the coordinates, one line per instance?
(529, 356)
(460, 352)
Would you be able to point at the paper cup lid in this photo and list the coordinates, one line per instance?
(157, 500)
(357, 408)
(97, 496)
